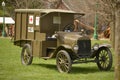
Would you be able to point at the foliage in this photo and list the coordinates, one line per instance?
(88, 7)
(1, 9)
(11, 68)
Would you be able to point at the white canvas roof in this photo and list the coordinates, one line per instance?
(8, 20)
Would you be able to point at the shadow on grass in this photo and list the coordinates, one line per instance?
(75, 69)
(49, 66)
(86, 70)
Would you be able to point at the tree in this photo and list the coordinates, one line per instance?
(11, 5)
(116, 11)
(109, 8)
(117, 39)
(115, 7)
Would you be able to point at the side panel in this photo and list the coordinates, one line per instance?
(24, 26)
(45, 45)
(46, 25)
(36, 48)
(40, 48)
(66, 19)
(18, 26)
(30, 27)
(40, 36)
(49, 26)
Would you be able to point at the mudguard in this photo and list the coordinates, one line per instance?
(94, 52)
(67, 48)
(63, 46)
(105, 45)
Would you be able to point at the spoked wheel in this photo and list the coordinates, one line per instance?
(26, 55)
(104, 59)
(63, 61)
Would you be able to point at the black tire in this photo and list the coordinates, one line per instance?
(104, 59)
(63, 61)
(26, 55)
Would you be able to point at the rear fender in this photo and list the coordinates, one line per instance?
(21, 43)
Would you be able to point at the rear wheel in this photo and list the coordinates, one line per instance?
(63, 61)
(104, 59)
(26, 55)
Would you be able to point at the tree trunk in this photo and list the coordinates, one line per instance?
(112, 25)
(117, 42)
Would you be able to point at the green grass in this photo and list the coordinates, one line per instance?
(12, 69)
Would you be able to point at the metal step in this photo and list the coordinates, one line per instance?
(45, 58)
(51, 48)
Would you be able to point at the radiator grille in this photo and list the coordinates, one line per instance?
(84, 47)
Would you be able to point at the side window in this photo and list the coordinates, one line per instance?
(56, 20)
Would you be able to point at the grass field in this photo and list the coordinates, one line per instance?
(12, 69)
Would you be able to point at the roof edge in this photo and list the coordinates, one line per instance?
(47, 11)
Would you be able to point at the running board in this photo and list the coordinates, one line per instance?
(84, 61)
(45, 58)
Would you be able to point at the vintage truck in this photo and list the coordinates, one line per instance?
(49, 33)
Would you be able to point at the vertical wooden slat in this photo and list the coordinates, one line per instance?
(23, 36)
(18, 25)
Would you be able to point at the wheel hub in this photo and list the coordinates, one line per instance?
(103, 58)
(62, 62)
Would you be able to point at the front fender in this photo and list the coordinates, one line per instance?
(67, 48)
(63, 47)
(94, 52)
(105, 45)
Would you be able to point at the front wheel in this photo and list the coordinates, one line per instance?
(104, 59)
(63, 61)
(26, 55)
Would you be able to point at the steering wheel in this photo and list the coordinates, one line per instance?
(69, 27)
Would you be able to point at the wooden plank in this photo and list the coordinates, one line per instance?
(36, 48)
(18, 26)
(24, 16)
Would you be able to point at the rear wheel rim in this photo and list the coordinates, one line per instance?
(26, 55)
